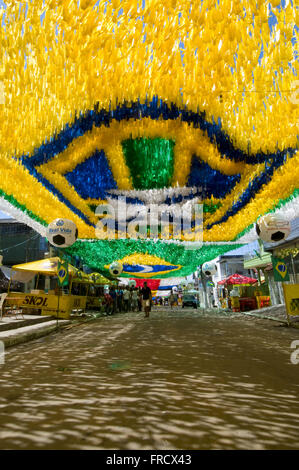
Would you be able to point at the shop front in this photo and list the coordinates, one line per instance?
(237, 292)
(58, 302)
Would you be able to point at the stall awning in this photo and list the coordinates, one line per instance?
(17, 275)
(237, 280)
(98, 278)
(47, 266)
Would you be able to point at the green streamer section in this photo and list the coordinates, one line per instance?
(209, 208)
(96, 254)
(150, 162)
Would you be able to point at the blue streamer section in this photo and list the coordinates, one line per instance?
(57, 193)
(165, 288)
(155, 109)
(213, 182)
(93, 177)
(158, 268)
(253, 187)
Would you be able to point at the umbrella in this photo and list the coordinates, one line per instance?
(237, 280)
(47, 266)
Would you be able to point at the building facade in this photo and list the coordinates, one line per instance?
(20, 243)
(288, 250)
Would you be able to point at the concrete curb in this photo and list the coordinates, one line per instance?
(20, 323)
(28, 333)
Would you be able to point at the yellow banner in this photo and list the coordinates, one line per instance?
(47, 303)
(235, 302)
(291, 295)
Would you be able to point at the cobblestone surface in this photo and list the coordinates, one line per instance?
(176, 380)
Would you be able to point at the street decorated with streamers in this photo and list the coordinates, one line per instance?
(169, 103)
(149, 228)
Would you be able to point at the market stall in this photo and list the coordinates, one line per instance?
(58, 302)
(96, 288)
(235, 293)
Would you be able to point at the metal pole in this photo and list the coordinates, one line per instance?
(86, 292)
(59, 261)
(57, 307)
(259, 276)
(261, 245)
(288, 318)
(37, 279)
(203, 281)
(293, 268)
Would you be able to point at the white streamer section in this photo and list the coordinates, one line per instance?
(21, 216)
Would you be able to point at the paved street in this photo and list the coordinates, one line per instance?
(178, 380)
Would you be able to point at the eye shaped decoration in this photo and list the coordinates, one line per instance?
(153, 157)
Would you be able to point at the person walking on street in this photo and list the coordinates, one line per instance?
(108, 303)
(171, 300)
(146, 297)
(130, 298)
(114, 298)
(134, 299)
(126, 299)
(139, 299)
(119, 299)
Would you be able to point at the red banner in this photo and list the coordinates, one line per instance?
(153, 284)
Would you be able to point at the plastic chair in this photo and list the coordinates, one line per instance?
(265, 301)
(2, 300)
(5, 311)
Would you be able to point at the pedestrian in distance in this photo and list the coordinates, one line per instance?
(119, 299)
(134, 299)
(108, 303)
(114, 300)
(139, 299)
(147, 298)
(126, 299)
(130, 298)
(171, 300)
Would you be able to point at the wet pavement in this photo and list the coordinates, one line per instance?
(180, 379)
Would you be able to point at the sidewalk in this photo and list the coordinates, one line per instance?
(276, 313)
(15, 331)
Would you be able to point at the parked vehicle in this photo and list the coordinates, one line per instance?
(189, 300)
